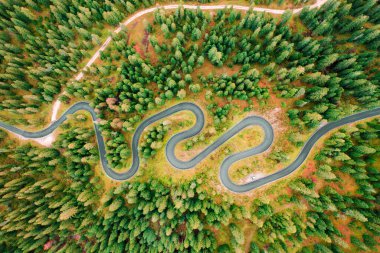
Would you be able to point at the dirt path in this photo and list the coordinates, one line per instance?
(79, 76)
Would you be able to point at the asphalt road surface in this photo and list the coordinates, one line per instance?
(199, 124)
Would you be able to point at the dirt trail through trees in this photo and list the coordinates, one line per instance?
(138, 14)
(48, 140)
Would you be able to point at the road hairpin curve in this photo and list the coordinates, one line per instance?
(197, 128)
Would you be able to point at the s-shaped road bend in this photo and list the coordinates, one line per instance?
(141, 13)
(199, 124)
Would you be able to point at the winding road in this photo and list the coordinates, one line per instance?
(48, 140)
(141, 13)
(199, 124)
(170, 147)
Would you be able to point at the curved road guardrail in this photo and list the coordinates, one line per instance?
(199, 124)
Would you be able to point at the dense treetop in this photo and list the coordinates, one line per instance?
(322, 65)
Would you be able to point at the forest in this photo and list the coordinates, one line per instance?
(58, 205)
(321, 64)
(324, 77)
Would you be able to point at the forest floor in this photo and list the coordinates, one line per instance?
(223, 4)
(53, 112)
(273, 112)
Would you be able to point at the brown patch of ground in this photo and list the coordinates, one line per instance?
(240, 103)
(139, 51)
(341, 223)
(209, 68)
(347, 186)
(309, 171)
(145, 40)
(141, 39)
